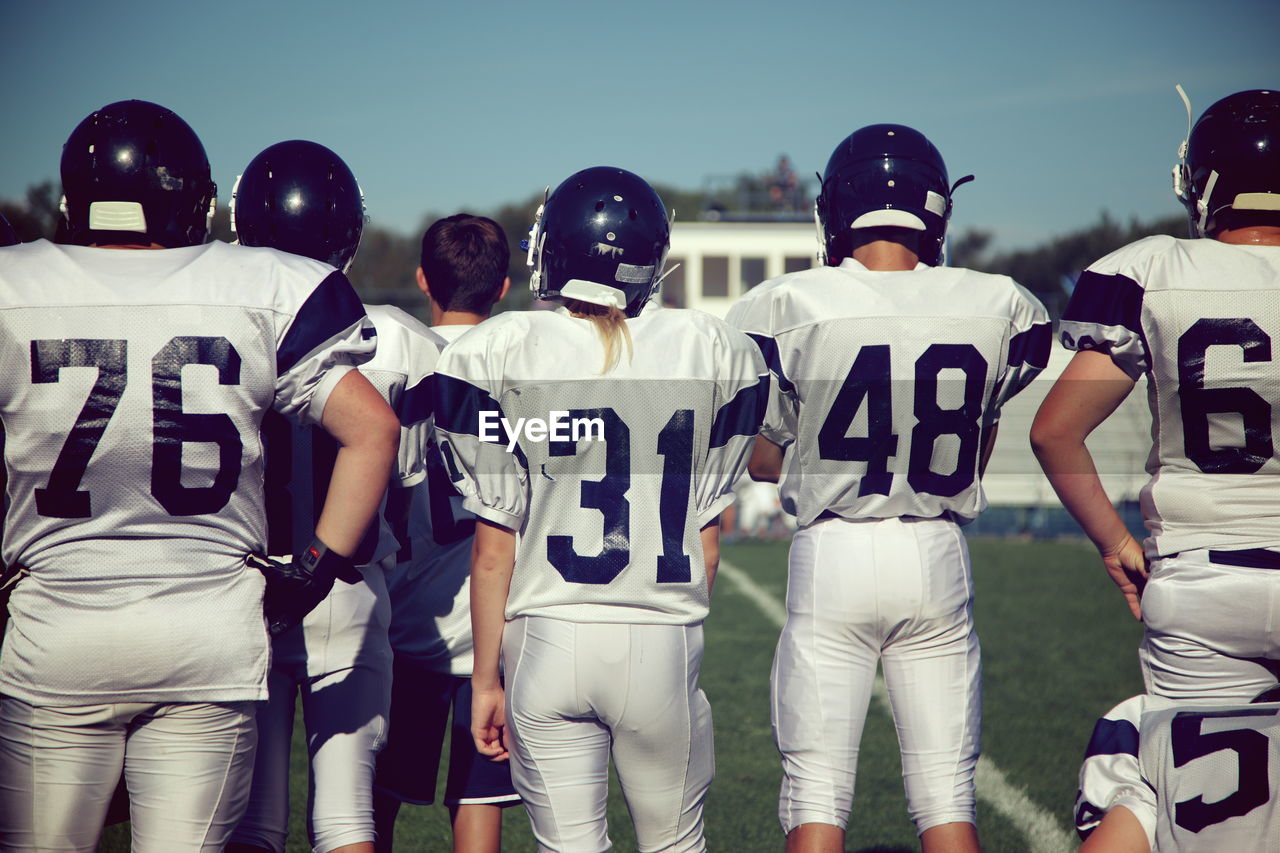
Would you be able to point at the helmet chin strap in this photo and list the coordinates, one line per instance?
(533, 260)
(1181, 172)
(817, 222)
(1202, 204)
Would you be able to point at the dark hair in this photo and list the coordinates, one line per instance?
(464, 259)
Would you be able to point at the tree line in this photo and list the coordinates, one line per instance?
(383, 271)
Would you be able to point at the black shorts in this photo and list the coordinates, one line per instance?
(421, 700)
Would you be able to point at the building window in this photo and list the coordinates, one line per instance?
(794, 264)
(751, 272)
(715, 276)
(673, 284)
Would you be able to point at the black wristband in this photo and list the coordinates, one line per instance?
(324, 563)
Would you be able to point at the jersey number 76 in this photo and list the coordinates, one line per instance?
(172, 427)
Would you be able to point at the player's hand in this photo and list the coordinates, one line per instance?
(295, 588)
(1127, 565)
(489, 722)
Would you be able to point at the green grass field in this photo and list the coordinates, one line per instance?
(1059, 649)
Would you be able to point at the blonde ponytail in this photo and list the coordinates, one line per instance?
(611, 325)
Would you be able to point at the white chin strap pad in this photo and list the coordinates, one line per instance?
(117, 216)
(593, 292)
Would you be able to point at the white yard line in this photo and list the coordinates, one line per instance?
(1043, 833)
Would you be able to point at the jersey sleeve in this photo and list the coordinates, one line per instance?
(744, 388)
(402, 370)
(752, 316)
(1030, 340)
(1105, 312)
(327, 336)
(484, 464)
(1111, 774)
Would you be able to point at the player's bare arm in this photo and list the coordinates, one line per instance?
(765, 465)
(987, 450)
(1119, 832)
(711, 551)
(493, 557)
(368, 435)
(1086, 394)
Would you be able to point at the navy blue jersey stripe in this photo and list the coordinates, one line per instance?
(331, 309)
(1113, 737)
(416, 405)
(769, 349)
(458, 405)
(742, 415)
(1032, 346)
(1108, 300)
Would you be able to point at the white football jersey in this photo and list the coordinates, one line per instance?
(300, 458)
(607, 478)
(1200, 778)
(888, 383)
(431, 586)
(138, 383)
(1198, 317)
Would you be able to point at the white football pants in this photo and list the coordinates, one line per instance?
(898, 592)
(340, 659)
(187, 768)
(576, 690)
(1212, 631)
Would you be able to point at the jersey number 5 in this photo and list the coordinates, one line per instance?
(1251, 748)
(172, 427)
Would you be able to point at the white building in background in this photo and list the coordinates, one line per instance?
(719, 261)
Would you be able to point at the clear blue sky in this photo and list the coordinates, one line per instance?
(1062, 110)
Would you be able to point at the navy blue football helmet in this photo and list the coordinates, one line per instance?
(134, 172)
(884, 175)
(1231, 159)
(601, 237)
(8, 237)
(300, 197)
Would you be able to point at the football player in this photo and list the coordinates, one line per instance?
(1197, 317)
(1171, 775)
(607, 434)
(463, 273)
(148, 360)
(889, 373)
(301, 197)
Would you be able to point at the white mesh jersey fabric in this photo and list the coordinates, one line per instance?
(138, 382)
(301, 457)
(608, 526)
(1199, 317)
(887, 383)
(1216, 774)
(431, 586)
